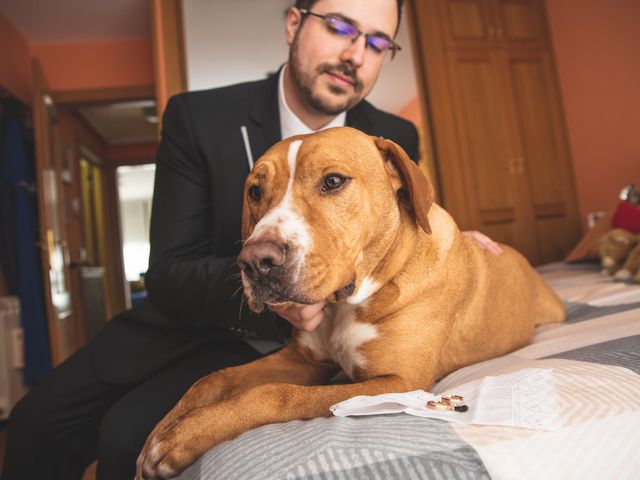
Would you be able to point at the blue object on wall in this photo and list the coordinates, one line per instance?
(18, 173)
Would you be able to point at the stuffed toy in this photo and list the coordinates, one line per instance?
(614, 247)
(631, 268)
(627, 214)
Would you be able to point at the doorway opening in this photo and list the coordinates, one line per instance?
(92, 134)
(135, 192)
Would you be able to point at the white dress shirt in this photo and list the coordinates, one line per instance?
(290, 124)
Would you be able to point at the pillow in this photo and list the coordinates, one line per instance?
(587, 247)
(627, 216)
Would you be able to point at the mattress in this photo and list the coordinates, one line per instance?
(595, 360)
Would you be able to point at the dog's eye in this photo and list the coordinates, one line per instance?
(255, 193)
(333, 181)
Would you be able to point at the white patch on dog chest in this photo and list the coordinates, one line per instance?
(339, 338)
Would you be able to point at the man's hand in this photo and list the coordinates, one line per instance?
(483, 241)
(303, 317)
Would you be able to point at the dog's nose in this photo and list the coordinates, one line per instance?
(261, 258)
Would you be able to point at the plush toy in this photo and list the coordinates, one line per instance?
(631, 268)
(614, 247)
(627, 214)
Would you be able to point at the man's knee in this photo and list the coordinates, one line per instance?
(35, 431)
(31, 415)
(119, 443)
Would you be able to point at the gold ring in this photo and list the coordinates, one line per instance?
(453, 399)
(433, 405)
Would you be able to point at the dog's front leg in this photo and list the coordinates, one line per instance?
(284, 366)
(170, 452)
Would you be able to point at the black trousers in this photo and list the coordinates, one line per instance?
(71, 416)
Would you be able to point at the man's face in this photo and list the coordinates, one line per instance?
(332, 73)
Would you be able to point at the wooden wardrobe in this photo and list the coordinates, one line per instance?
(496, 123)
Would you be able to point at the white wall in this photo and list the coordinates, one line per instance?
(135, 190)
(231, 41)
(135, 215)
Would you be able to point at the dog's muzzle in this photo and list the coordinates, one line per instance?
(271, 271)
(262, 261)
(267, 266)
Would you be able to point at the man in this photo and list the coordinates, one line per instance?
(106, 398)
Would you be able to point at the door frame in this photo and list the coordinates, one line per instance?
(115, 290)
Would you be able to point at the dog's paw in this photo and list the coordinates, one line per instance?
(165, 455)
(177, 443)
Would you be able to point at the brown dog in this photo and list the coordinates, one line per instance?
(347, 218)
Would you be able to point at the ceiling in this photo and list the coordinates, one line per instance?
(59, 21)
(70, 21)
(123, 123)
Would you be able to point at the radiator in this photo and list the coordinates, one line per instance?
(11, 355)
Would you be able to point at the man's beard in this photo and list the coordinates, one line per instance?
(307, 81)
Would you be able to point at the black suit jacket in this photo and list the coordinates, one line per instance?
(192, 281)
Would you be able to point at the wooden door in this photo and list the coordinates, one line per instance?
(494, 192)
(63, 332)
(519, 22)
(467, 22)
(543, 160)
(95, 222)
(501, 145)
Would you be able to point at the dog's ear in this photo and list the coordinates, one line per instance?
(412, 187)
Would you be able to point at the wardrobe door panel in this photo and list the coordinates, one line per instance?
(537, 129)
(480, 122)
(467, 22)
(520, 22)
(544, 159)
(498, 126)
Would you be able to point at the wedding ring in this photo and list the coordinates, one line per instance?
(453, 400)
(433, 405)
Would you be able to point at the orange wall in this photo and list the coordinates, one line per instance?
(96, 64)
(597, 50)
(412, 111)
(85, 65)
(15, 69)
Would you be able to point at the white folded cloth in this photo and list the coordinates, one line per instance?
(525, 398)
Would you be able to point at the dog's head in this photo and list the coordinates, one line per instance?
(320, 213)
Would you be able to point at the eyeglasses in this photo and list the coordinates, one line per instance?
(379, 43)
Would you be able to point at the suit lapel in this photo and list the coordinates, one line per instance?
(357, 118)
(264, 118)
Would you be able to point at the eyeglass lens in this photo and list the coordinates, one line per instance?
(346, 29)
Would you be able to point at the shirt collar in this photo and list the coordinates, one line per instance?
(290, 124)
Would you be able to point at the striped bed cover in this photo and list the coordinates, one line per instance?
(595, 358)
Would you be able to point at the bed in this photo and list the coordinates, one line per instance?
(595, 362)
